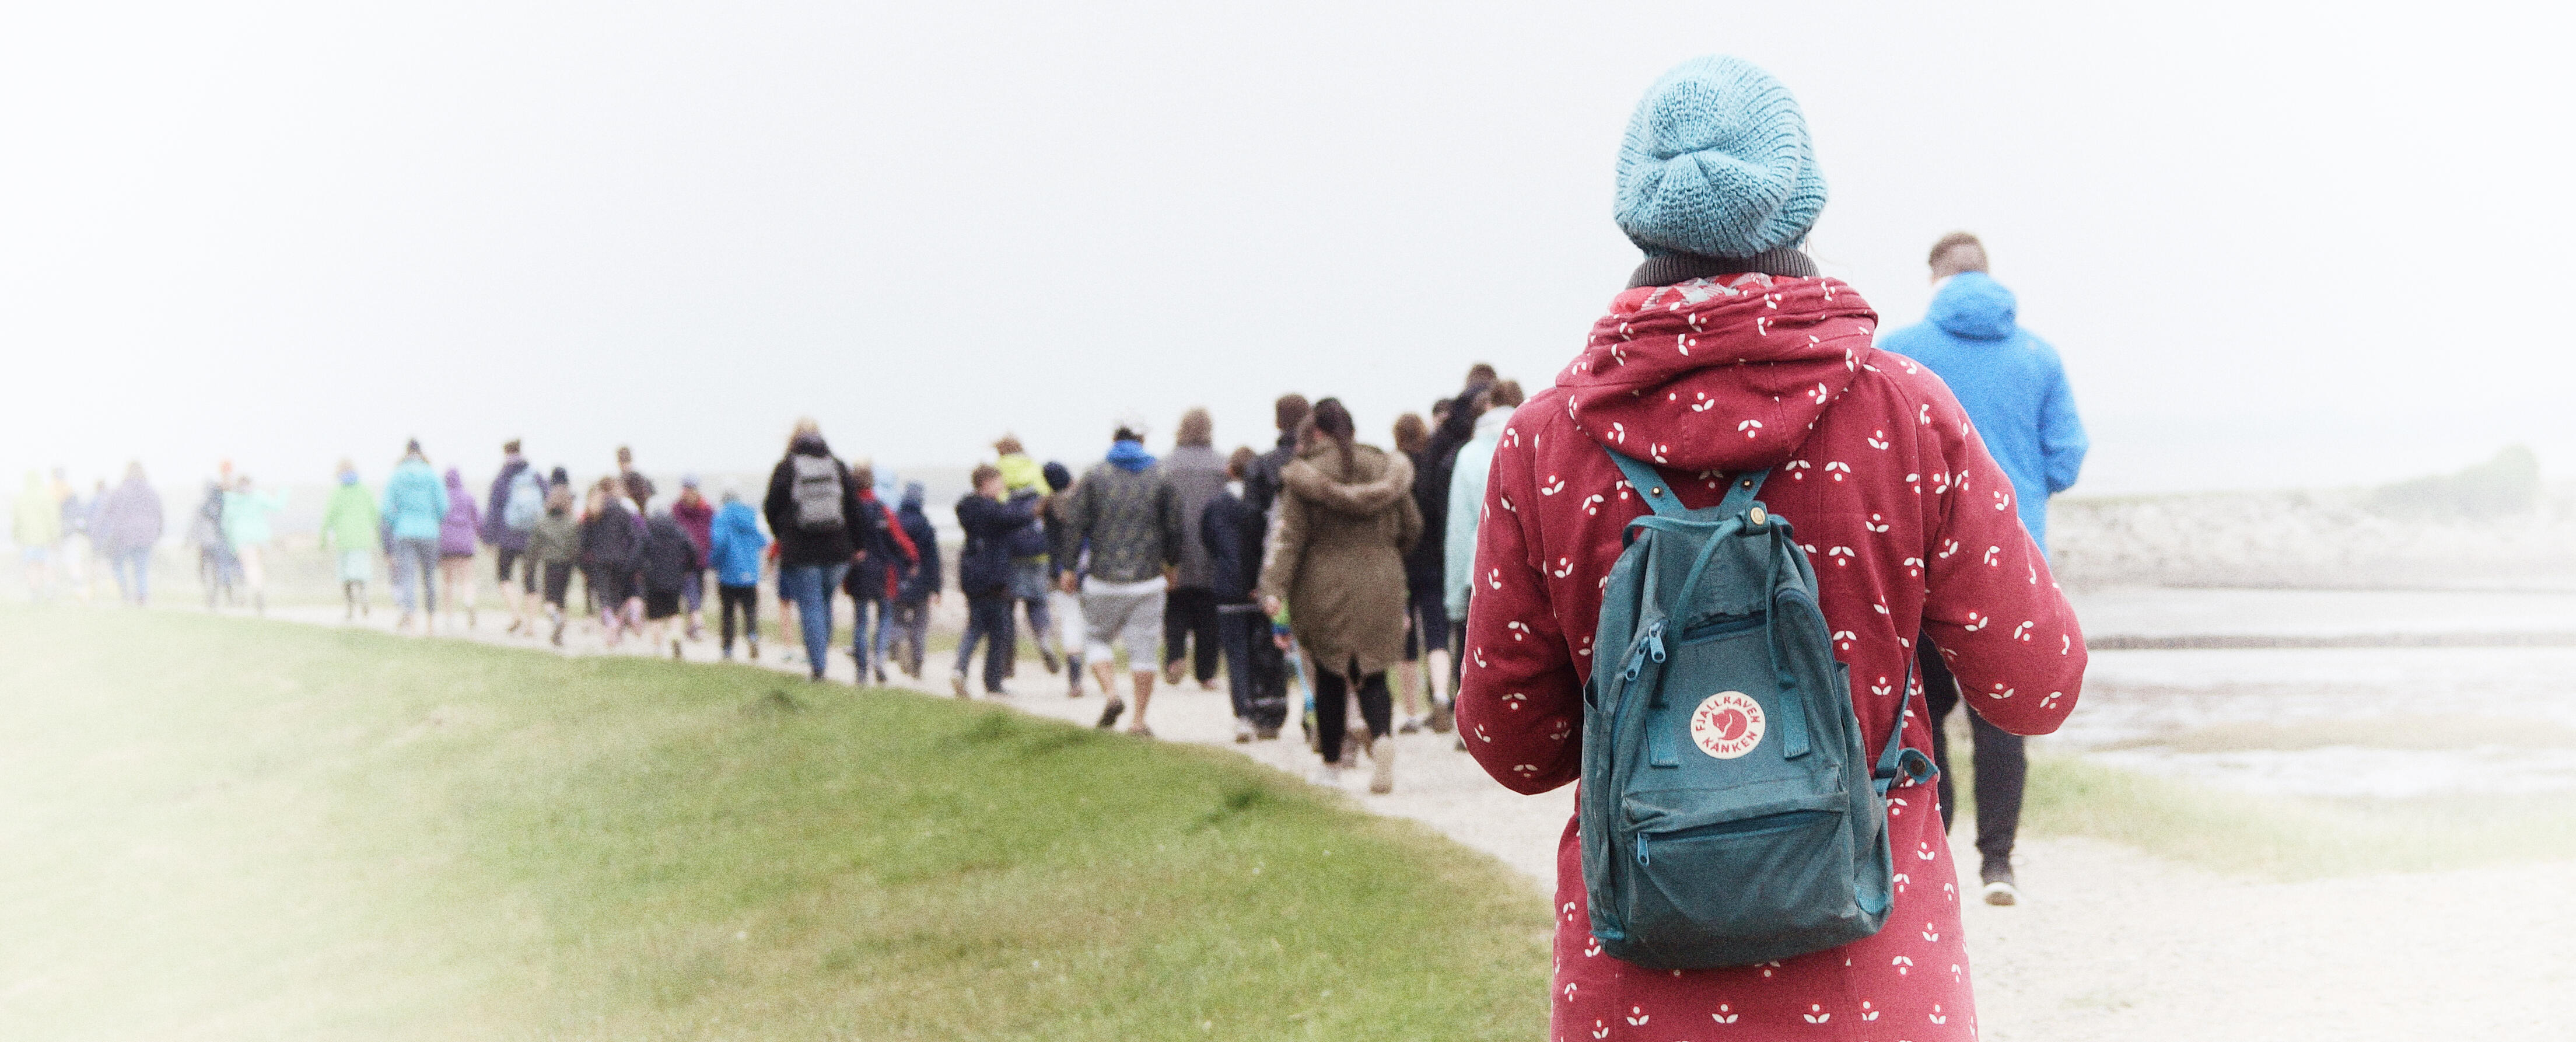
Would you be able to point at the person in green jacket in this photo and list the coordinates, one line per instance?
(349, 531)
(554, 546)
(246, 513)
(38, 525)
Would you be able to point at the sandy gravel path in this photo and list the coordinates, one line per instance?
(2112, 944)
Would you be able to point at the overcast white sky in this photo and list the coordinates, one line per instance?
(2275, 248)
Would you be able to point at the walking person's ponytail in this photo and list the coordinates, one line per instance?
(1333, 421)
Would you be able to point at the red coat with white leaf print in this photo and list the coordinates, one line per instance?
(1912, 529)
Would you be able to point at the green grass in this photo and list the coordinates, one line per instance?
(219, 828)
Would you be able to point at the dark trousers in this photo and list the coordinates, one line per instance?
(1234, 634)
(1190, 628)
(1332, 699)
(2003, 766)
(742, 599)
(989, 618)
(911, 635)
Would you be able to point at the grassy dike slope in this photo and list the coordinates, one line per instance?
(218, 828)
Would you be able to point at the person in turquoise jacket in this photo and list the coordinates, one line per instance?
(246, 513)
(349, 531)
(2014, 390)
(415, 506)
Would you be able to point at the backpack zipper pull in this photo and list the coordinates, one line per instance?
(1642, 859)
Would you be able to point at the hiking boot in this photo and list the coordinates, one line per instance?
(1242, 731)
(1109, 716)
(1998, 877)
(1382, 766)
(957, 683)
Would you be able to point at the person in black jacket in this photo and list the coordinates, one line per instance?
(665, 561)
(1232, 532)
(919, 590)
(984, 575)
(612, 547)
(813, 508)
(1261, 482)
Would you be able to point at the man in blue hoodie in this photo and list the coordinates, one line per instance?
(2014, 389)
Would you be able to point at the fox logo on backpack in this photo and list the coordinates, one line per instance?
(1730, 815)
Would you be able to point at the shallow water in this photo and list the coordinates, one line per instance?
(2370, 722)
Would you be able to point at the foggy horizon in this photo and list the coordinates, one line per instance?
(285, 236)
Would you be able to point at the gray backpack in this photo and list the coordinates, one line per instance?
(814, 485)
(1729, 814)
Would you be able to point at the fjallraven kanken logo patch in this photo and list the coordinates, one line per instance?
(1727, 724)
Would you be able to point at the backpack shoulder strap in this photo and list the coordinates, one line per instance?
(1896, 759)
(1649, 485)
(1659, 496)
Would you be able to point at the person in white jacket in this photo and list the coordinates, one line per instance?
(1467, 497)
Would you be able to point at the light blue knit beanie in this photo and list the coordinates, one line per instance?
(1717, 162)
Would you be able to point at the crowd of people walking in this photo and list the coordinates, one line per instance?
(1456, 577)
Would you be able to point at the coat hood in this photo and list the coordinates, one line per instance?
(1973, 305)
(1725, 375)
(912, 497)
(1489, 427)
(1376, 480)
(808, 445)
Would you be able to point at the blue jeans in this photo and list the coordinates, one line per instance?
(868, 651)
(811, 586)
(133, 570)
(988, 617)
(416, 574)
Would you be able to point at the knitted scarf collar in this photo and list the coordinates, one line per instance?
(1665, 269)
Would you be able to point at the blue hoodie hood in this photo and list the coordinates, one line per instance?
(1130, 456)
(912, 497)
(1973, 305)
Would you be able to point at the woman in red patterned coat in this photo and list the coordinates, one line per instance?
(1728, 355)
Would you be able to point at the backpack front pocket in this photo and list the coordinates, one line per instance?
(1735, 890)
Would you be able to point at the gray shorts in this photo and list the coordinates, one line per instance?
(1114, 613)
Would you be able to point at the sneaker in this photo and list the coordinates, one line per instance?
(1242, 731)
(1327, 776)
(469, 618)
(515, 626)
(1444, 716)
(675, 649)
(1046, 657)
(881, 677)
(957, 683)
(1382, 766)
(1140, 730)
(1174, 671)
(755, 649)
(1109, 716)
(1411, 725)
(1266, 734)
(1998, 876)
(1350, 746)
(557, 638)
(1462, 743)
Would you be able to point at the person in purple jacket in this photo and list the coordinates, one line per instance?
(457, 535)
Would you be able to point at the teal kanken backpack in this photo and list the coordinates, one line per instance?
(1729, 814)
